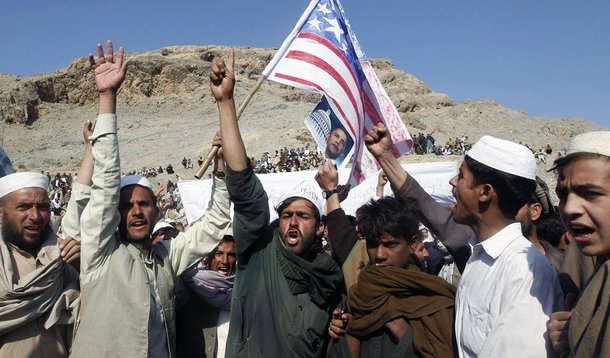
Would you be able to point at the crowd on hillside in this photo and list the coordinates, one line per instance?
(503, 272)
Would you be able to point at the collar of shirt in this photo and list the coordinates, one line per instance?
(16, 249)
(495, 245)
(39, 259)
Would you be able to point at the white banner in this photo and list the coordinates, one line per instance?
(433, 177)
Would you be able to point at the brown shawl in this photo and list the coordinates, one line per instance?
(589, 334)
(425, 301)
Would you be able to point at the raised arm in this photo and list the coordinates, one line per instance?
(437, 218)
(85, 171)
(379, 144)
(199, 239)
(81, 188)
(222, 85)
(101, 215)
(341, 233)
(250, 201)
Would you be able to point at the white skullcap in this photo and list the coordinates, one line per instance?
(161, 225)
(16, 181)
(505, 156)
(135, 180)
(591, 142)
(304, 193)
(229, 232)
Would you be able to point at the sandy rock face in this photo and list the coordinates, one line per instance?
(166, 111)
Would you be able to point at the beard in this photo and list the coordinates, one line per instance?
(12, 234)
(305, 248)
(527, 226)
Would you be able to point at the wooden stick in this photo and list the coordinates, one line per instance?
(214, 149)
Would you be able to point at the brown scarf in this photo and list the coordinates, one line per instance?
(425, 301)
(589, 334)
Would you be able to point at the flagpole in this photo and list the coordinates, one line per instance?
(242, 107)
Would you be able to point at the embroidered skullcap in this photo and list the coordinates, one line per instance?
(591, 142)
(161, 225)
(304, 193)
(135, 180)
(16, 181)
(505, 156)
(543, 196)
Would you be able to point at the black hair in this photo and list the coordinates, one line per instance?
(559, 163)
(388, 215)
(209, 257)
(551, 229)
(284, 204)
(513, 191)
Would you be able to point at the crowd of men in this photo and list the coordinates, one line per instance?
(287, 160)
(123, 281)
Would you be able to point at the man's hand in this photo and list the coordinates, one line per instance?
(222, 78)
(109, 73)
(338, 324)
(378, 141)
(159, 192)
(382, 180)
(558, 330)
(219, 161)
(70, 251)
(559, 324)
(88, 128)
(327, 176)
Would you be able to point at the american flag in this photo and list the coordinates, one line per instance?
(322, 54)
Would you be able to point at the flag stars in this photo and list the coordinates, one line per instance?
(334, 28)
(315, 23)
(324, 9)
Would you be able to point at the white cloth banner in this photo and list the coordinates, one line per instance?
(433, 177)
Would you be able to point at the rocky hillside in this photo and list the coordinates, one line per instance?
(167, 113)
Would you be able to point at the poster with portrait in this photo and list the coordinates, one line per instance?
(329, 133)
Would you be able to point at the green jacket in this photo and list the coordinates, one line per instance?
(268, 317)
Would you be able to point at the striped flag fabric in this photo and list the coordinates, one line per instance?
(322, 55)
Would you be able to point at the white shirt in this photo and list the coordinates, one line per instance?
(506, 294)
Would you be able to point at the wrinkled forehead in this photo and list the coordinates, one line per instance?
(300, 204)
(27, 195)
(136, 192)
(584, 173)
(228, 246)
(599, 162)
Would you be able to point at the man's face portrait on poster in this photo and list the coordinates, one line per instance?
(336, 143)
(330, 134)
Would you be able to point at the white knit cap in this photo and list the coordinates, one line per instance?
(161, 225)
(135, 180)
(16, 181)
(305, 193)
(591, 142)
(505, 156)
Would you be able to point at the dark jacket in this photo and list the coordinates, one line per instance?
(268, 319)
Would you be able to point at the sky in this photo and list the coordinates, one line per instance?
(545, 57)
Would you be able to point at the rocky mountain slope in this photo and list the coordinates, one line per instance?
(167, 113)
